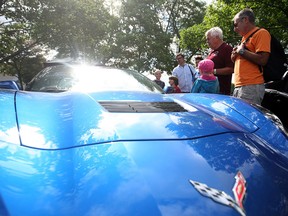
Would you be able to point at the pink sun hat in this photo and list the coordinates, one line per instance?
(206, 66)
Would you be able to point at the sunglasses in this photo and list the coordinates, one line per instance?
(236, 24)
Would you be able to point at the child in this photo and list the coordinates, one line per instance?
(173, 81)
(207, 82)
(157, 75)
(195, 60)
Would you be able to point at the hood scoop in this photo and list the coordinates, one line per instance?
(141, 107)
(72, 119)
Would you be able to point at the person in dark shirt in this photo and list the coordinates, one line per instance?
(158, 80)
(221, 56)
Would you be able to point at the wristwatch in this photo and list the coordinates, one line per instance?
(241, 51)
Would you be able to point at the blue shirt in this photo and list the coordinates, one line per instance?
(206, 86)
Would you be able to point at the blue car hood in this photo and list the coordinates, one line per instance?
(140, 178)
(79, 155)
(66, 120)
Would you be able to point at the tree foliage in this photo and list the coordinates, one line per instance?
(146, 31)
(68, 26)
(138, 35)
(134, 34)
(271, 15)
(182, 14)
(141, 43)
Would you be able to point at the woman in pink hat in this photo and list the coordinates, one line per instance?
(207, 82)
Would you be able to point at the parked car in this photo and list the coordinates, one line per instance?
(276, 98)
(94, 140)
(9, 84)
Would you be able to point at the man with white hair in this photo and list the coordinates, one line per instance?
(221, 56)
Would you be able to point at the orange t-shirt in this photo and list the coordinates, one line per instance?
(246, 72)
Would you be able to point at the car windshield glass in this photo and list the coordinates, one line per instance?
(90, 78)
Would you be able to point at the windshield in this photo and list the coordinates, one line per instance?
(61, 78)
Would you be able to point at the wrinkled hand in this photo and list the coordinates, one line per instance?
(234, 54)
(239, 47)
(235, 51)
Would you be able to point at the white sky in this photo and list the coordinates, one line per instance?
(208, 1)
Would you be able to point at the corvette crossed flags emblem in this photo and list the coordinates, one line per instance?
(239, 191)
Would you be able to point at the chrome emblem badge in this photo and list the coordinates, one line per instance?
(239, 191)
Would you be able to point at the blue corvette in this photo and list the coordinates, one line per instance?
(91, 140)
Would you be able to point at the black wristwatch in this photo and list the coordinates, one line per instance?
(241, 51)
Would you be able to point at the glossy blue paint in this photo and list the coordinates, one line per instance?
(8, 125)
(74, 119)
(136, 178)
(65, 154)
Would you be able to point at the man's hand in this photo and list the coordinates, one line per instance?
(234, 54)
(239, 48)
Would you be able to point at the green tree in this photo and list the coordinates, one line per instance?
(137, 36)
(70, 27)
(182, 14)
(141, 42)
(73, 27)
(24, 66)
(271, 15)
(15, 31)
(147, 29)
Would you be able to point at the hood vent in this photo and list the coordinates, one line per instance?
(141, 107)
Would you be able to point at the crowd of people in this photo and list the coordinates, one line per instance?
(213, 74)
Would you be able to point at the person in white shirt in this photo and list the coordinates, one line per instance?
(185, 73)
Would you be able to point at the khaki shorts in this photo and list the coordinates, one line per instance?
(251, 93)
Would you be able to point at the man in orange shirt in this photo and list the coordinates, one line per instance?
(249, 56)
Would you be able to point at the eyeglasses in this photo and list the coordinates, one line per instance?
(179, 58)
(236, 24)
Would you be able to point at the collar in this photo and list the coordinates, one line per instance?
(183, 65)
(208, 77)
(249, 33)
(218, 48)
